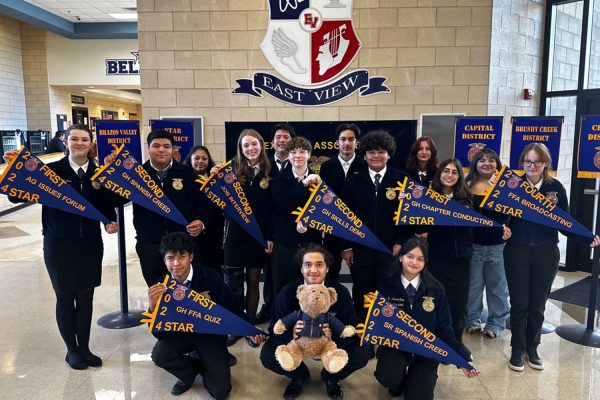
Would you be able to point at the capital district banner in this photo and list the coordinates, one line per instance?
(128, 178)
(526, 130)
(514, 196)
(388, 325)
(588, 154)
(326, 212)
(114, 133)
(183, 135)
(181, 309)
(27, 178)
(425, 206)
(472, 134)
(226, 192)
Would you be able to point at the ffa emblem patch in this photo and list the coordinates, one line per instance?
(96, 185)
(474, 149)
(417, 191)
(597, 158)
(552, 196)
(315, 162)
(179, 292)
(388, 310)
(31, 164)
(177, 183)
(206, 294)
(128, 163)
(513, 182)
(264, 183)
(327, 198)
(428, 304)
(229, 178)
(390, 193)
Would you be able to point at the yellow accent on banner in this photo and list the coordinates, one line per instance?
(489, 190)
(102, 168)
(400, 188)
(588, 174)
(152, 316)
(10, 164)
(313, 190)
(211, 175)
(368, 303)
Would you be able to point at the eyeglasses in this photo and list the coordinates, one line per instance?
(450, 171)
(529, 163)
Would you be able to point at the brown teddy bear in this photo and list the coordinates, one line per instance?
(315, 301)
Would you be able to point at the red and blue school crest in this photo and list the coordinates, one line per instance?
(418, 191)
(179, 292)
(128, 163)
(513, 182)
(328, 197)
(311, 43)
(388, 310)
(31, 164)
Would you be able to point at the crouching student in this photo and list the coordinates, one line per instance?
(211, 359)
(413, 289)
(314, 261)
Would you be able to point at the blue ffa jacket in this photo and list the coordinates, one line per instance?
(151, 227)
(287, 303)
(332, 173)
(313, 327)
(437, 321)
(529, 233)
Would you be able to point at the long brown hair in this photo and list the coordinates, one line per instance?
(412, 163)
(90, 155)
(544, 154)
(460, 190)
(240, 162)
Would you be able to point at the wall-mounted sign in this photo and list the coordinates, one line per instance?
(311, 43)
(77, 99)
(124, 66)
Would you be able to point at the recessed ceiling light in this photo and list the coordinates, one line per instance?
(125, 16)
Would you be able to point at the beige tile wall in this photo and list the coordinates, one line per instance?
(435, 53)
(12, 91)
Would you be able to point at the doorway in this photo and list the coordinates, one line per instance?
(80, 116)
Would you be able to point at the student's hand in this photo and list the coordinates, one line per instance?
(215, 169)
(195, 228)
(154, 293)
(401, 195)
(327, 330)
(348, 256)
(113, 227)
(269, 248)
(311, 179)
(300, 228)
(596, 241)
(298, 328)
(396, 249)
(110, 158)
(9, 155)
(493, 180)
(371, 295)
(258, 339)
(507, 233)
(470, 373)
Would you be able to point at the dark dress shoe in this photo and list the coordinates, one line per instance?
(76, 360)
(91, 359)
(294, 388)
(180, 388)
(231, 340)
(232, 360)
(334, 389)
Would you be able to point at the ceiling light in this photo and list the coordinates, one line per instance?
(125, 16)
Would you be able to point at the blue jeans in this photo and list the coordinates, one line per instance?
(487, 270)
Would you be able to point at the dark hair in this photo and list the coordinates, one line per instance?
(159, 134)
(347, 127)
(544, 154)
(188, 158)
(177, 242)
(242, 168)
(412, 163)
(81, 127)
(59, 133)
(426, 277)
(378, 140)
(313, 248)
(460, 190)
(473, 175)
(299, 142)
(283, 127)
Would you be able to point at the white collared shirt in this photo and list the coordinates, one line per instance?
(279, 163)
(189, 277)
(346, 164)
(373, 173)
(76, 167)
(538, 185)
(164, 169)
(302, 177)
(415, 282)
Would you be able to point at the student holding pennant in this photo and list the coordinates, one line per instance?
(73, 246)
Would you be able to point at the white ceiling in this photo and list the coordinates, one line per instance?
(113, 93)
(86, 10)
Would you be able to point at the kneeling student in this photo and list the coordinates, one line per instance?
(171, 351)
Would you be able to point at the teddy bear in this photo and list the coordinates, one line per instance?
(315, 301)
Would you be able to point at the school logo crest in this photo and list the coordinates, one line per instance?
(418, 191)
(553, 197)
(597, 158)
(474, 149)
(128, 163)
(311, 43)
(513, 182)
(179, 292)
(31, 164)
(328, 197)
(229, 178)
(388, 310)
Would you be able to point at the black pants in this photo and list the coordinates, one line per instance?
(212, 360)
(369, 269)
(268, 290)
(416, 375)
(357, 359)
(530, 271)
(455, 276)
(283, 266)
(153, 266)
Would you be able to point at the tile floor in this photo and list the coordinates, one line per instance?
(32, 353)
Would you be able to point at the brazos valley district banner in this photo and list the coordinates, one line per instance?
(128, 178)
(388, 325)
(326, 212)
(181, 309)
(514, 196)
(225, 191)
(588, 155)
(472, 134)
(425, 206)
(113, 133)
(27, 178)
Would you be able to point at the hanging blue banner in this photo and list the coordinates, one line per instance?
(183, 310)
(225, 191)
(27, 178)
(425, 206)
(111, 134)
(388, 325)
(183, 135)
(514, 196)
(472, 134)
(588, 154)
(526, 130)
(128, 178)
(326, 212)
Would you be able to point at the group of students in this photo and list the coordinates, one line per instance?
(448, 264)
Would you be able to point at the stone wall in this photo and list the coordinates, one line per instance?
(12, 92)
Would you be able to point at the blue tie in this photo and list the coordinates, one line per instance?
(410, 294)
